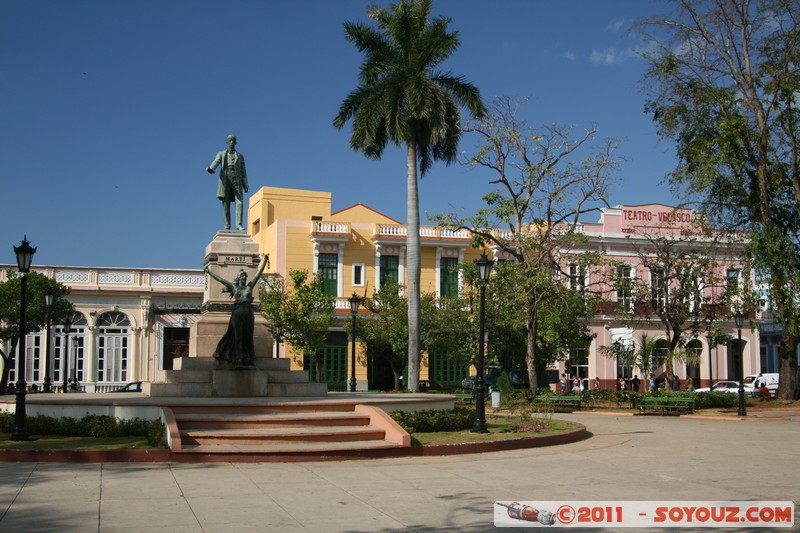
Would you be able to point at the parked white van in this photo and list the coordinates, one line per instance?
(754, 382)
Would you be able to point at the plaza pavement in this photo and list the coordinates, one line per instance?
(627, 458)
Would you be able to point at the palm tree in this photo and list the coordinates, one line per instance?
(401, 98)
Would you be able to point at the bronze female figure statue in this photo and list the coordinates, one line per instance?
(235, 350)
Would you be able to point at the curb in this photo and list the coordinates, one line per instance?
(166, 455)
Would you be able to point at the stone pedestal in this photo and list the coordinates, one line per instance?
(198, 375)
(237, 383)
(227, 254)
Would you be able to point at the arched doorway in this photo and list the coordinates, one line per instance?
(113, 348)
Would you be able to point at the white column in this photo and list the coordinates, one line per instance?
(377, 267)
(340, 271)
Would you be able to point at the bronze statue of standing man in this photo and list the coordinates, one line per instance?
(232, 182)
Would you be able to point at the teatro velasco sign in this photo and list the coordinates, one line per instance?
(643, 219)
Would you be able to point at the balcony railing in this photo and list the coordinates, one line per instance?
(319, 227)
(425, 232)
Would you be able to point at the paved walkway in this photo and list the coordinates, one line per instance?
(628, 458)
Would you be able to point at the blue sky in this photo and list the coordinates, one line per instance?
(111, 110)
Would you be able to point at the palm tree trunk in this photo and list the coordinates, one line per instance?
(413, 264)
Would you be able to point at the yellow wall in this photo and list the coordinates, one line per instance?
(281, 222)
(269, 207)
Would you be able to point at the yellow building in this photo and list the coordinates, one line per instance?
(355, 250)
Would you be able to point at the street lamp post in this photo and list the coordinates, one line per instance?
(354, 303)
(484, 267)
(65, 356)
(24, 253)
(278, 329)
(49, 295)
(738, 317)
(710, 367)
(76, 343)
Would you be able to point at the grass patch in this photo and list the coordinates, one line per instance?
(500, 428)
(57, 442)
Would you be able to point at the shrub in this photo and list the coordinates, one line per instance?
(96, 426)
(6, 422)
(99, 426)
(504, 384)
(156, 434)
(710, 400)
(433, 420)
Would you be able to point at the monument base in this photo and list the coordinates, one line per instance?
(200, 377)
(205, 334)
(239, 383)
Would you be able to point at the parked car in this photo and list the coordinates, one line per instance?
(427, 385)
(753, 382)
(723, 386)
(470, 382)
(134, 386)
(519, 379)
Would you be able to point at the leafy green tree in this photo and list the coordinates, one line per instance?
(563, 320)
(304, 310)
(445, 327)
(385, 333)
(35, 315)
(402, 98)
(684, 287)
(545, 184)
(723, 80)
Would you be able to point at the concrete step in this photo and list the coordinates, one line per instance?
(209, 363)
(287, 376)
(188, 376)
(228, 410)
(223, 437)
(288, 449)
(274, 420)
(182, 390)
(294, 390)
(282, 428)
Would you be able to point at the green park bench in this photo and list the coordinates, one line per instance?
(464, 397)
(666, 405)
(559, 403)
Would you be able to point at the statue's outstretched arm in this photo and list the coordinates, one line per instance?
(264, 263)
(228, 285)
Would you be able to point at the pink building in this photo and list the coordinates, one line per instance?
(658, 264)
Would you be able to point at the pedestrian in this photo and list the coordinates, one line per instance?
(689, 384)
(576, 384)
(676, 383)
(652, 380)
(563, 383)
(635, 383)
(596, 383)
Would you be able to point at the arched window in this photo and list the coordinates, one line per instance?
(113, 345)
